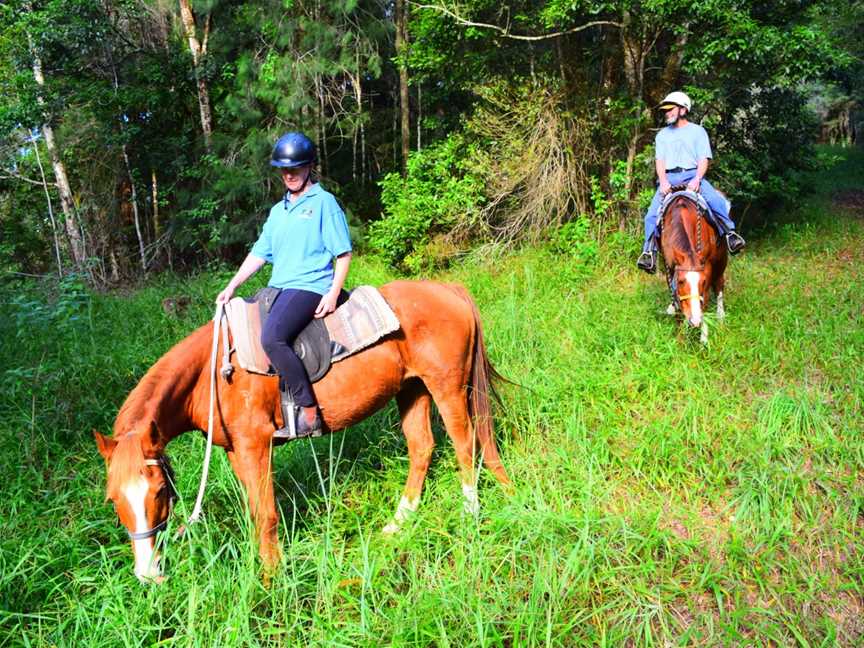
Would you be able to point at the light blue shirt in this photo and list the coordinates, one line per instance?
(302, 240)
(683, 146)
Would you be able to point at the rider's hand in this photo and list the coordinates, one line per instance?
(225, 296)
(327, 304)
(665, 187)
(693, 185)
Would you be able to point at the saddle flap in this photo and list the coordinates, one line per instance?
(245, 321)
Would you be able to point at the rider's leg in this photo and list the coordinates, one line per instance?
(721, 206)
(648, 259)
(651, 221)
(291, 312)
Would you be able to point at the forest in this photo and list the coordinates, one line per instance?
(136, 134)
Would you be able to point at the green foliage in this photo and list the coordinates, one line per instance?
(438, 192)
(665, 493)
(576, 240)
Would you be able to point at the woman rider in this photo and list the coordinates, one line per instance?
(304, 233)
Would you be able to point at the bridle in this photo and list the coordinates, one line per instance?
(168, 473)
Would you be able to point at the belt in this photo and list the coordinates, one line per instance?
(679, 170)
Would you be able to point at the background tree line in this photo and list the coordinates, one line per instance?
(136, 133)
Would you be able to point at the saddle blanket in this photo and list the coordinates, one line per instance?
(695, 197)
(358, 323)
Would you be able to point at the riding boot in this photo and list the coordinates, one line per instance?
(734, 242)
(647, 261)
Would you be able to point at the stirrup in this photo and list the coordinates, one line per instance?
(734, 242)
(647, 262)
(295, 424)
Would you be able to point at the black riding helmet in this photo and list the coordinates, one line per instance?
(293, 150)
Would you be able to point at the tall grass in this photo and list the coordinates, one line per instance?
(666, 493)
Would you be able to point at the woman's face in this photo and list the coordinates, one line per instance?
(294, 178)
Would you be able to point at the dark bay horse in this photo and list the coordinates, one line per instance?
(437, 355)
(695, 260)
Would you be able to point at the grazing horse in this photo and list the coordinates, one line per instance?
(437, 355)
(695, 259)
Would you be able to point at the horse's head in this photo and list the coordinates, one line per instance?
(691, 287)
(141, 486)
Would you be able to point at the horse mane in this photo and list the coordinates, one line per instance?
(678, 228)
(179, 367)
(127, 459)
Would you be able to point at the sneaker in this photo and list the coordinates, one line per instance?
(647, 262)
(734, 242)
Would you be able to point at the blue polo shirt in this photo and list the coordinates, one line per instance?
(682, 146)
(302, 240)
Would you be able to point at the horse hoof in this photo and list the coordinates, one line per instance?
(670, 309)
(391, 529)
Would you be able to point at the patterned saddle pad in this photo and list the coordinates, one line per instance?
(696, 198)
(358, 323)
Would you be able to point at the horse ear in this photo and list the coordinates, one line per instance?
(105, 444)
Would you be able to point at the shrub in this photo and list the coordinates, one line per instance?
(438, 192)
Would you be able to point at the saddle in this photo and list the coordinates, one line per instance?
(695, 198)
(358, 323)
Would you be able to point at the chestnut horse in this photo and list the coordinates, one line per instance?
(695, 259)
(437, 355)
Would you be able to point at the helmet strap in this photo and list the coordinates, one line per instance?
(289, 193)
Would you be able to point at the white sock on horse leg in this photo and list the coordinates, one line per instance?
(406, 507)
(721, 310)
(471, 505)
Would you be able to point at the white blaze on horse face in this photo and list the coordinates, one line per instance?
(695, 302)
(146, 559)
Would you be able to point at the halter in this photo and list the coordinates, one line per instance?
(163, 462)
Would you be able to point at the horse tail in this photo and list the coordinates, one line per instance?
(481, 393)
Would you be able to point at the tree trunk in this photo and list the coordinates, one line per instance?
(50, 209)
(157, 223)
(419, 115)
(134, 199)
(199, 50)
(76, 242)
(404, 103)
(669, 78)
(132, 190)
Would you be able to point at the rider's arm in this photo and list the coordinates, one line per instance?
(701, 169)
(340, 272)
(660, 165)
(250, 266)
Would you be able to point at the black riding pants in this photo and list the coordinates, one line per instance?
(290, 313)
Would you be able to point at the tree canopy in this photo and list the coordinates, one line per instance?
(156, 117)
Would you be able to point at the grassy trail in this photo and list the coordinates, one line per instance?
(667, 494)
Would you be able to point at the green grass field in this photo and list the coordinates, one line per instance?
(666, 493)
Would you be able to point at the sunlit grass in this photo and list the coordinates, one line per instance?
(667, 493)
